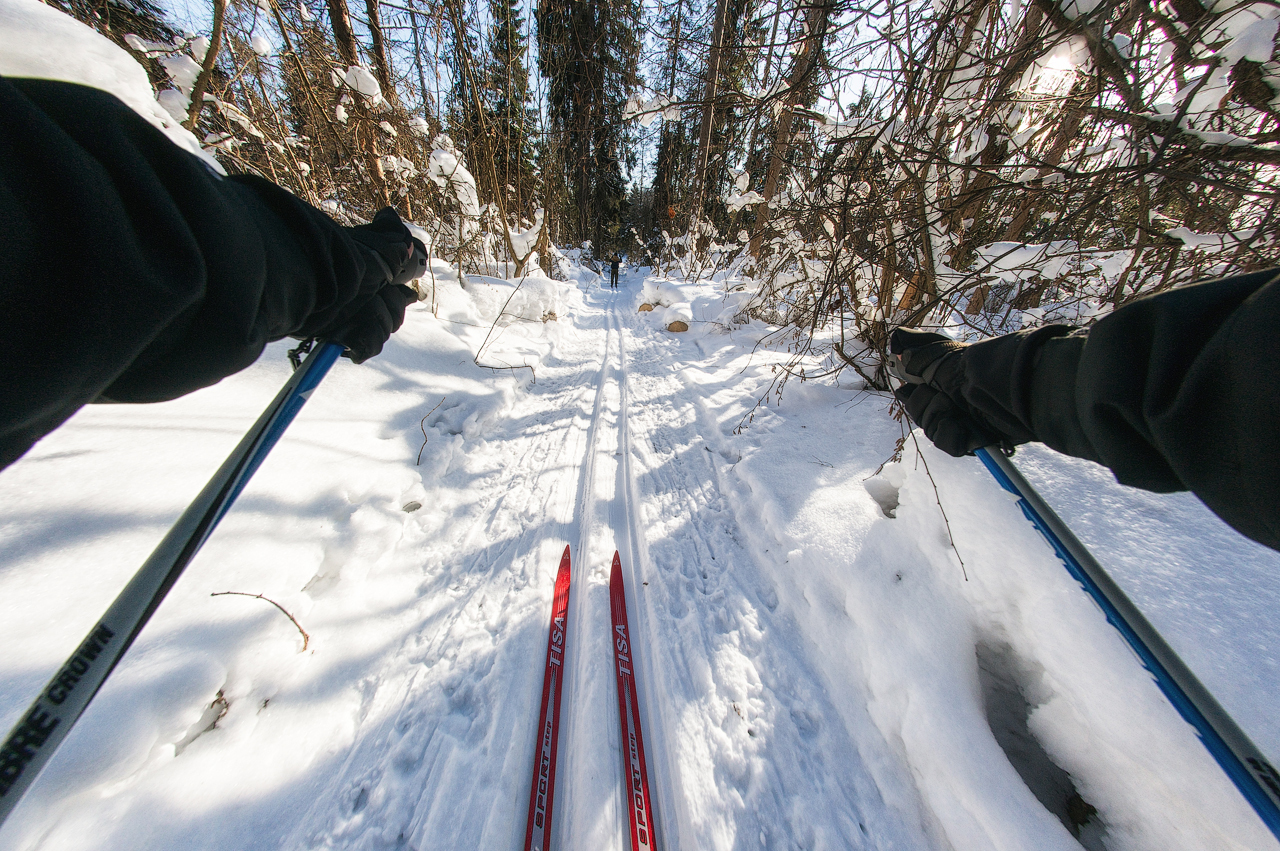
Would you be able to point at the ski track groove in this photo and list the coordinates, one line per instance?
(405, 740)
(577, 658)
(670, 812)
(743, 740)
(723, 602)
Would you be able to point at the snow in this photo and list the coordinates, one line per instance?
(1016, 261)
(650, 110)
(813, 653)
(1255, 43)
(446, 170)
(39, 41)
(1055, 72)
(175, 103)
(670, 302)
(361, 79)
(182, 69)
(735, 201)
(523, 241)
(1211, 241)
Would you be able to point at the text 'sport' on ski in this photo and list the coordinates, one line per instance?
(636, 780)
(537, 836)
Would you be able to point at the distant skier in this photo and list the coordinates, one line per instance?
(130, 272)
(1175, 391)
(613, 271)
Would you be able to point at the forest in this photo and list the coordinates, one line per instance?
(856, 164)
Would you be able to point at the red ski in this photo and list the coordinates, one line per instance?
(637, 774)
(537, 834)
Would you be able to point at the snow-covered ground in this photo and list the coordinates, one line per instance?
(818, 669)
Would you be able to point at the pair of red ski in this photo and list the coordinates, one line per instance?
(537, 835)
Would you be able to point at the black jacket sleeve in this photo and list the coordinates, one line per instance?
(130, 271)
(1176, 391)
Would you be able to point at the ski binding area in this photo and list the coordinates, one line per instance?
(815, 660)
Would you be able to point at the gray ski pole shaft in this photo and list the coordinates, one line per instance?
(50, 717)
(1238, 757)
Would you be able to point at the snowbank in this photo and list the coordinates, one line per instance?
(39, 41)
(1025, 720)
(670, 302)
(533, 298)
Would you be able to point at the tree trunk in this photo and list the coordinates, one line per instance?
(802, 67)
(381, 66)
(709, 104)
(675, 49)
(206, 69)
(343, 37)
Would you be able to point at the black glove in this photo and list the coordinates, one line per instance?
(931, 370)
(373, 322)
(367, 323)
(401, 256)
(917, 356)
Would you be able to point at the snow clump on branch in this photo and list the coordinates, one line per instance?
(28, 28)
(359, 79)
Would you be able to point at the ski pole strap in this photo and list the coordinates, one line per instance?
(1248, 769)
(50, 717)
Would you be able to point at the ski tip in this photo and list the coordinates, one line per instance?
(615, 572)
(564, 559)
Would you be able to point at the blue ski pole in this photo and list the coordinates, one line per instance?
(50, 717)
(1252, 774)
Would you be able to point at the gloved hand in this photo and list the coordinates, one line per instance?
(368, 323)
(917, 356)
(932, 375)
(402, 257)
(373, 322)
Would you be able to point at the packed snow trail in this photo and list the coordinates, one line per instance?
(712, 788)
(814, 665)
(734, 698)
(416, 700)
(579, 461)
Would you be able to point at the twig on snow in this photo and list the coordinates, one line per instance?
(496, 319)
(422, 424)
(938, 498)
(306, 639)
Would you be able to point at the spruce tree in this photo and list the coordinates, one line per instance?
(589, 53)
(675, 79)
(510, 116)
